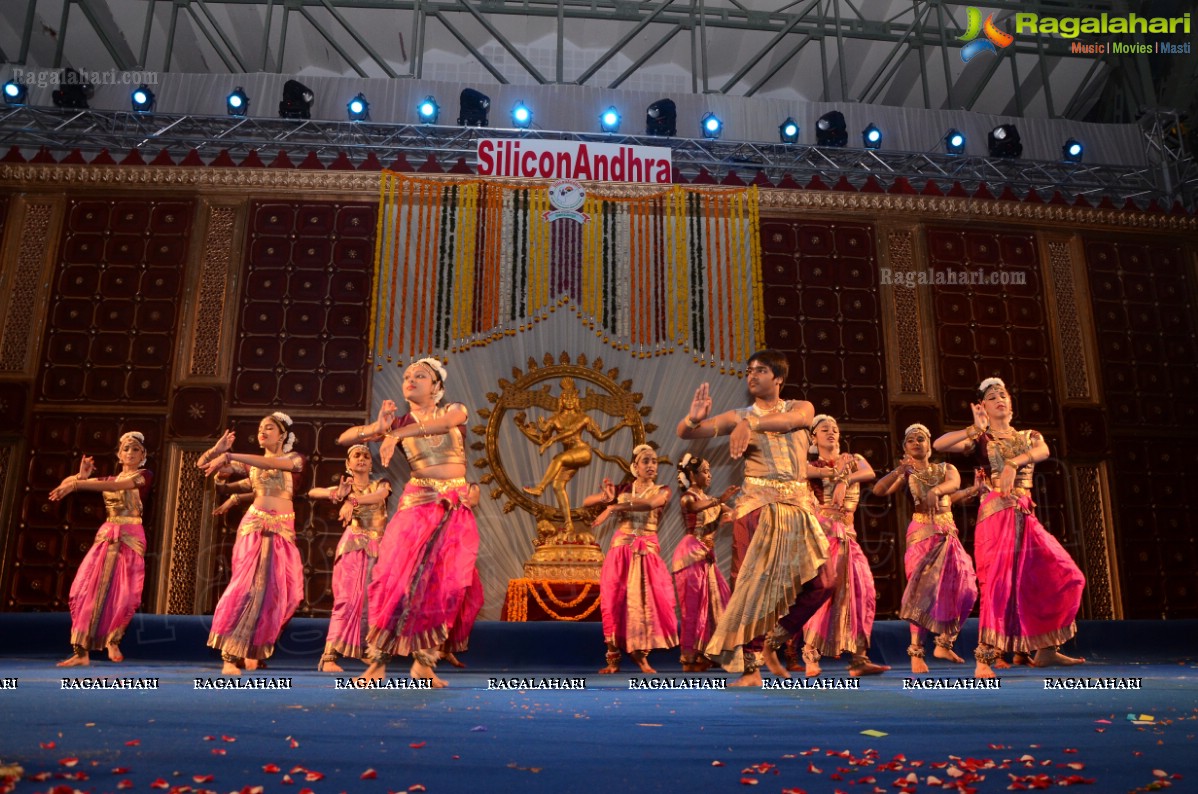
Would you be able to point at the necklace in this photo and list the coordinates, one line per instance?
(652, 487)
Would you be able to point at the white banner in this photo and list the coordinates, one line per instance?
(576, 160)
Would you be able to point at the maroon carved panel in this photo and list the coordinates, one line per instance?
(1144, 308)
(991, 319)
(113, 315)
(823, 310)
(305, 308)
(51, 538)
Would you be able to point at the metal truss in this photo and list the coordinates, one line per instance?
(917, 40)
(61, 131)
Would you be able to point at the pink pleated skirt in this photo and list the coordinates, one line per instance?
(702, 593)
(941, 585)
(107, 587)
(845, 621)
(636, 595)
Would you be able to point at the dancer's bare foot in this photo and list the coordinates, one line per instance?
(375, 671)
(770, 656)
(867, 668)
(642, 661)
(701, 664)
(533, 490)
(752, 679)
(918, 665)
(75, 661)
(812, 669)
(948, 655)
(454, 661)
(1001, 664)
(1047, 657)
(114, 653)
(230, 668)
(1022, 660)
(329, 666)
(984, 671)
(252, 664)
(423, 671)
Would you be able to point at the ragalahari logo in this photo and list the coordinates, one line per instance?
(995, 38)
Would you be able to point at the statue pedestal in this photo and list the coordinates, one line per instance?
(561, 579)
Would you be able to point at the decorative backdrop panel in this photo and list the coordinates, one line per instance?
(114, 311)
(304, 309)
(1144, 307)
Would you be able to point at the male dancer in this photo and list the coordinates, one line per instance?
(778, 548)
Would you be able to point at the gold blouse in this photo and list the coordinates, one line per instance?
(272, 482)
(994, 452)
(852, 493)
(127, 504)
(920, 482)
(640, 522)
(425, 451)
(776, 455)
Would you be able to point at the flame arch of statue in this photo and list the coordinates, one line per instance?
(559, 550)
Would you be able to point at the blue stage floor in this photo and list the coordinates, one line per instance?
(604, 738)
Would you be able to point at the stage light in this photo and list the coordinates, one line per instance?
(1003, 141)
(237, 103)
(358, 109)
(1071, 152)
(472, 108)
(661, 118)
(609, 121)
(788, 131)
(954, 142)
(830, 130)
(297, 101)
(428, 110)
(72, 92)
(15, 93)
(143, 99)
(521, 116)
(871, 137)
(712, 126)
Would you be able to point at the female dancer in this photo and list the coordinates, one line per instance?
(364, 513)
(267, 584)
(1031, 589)
(941, 586)
(107, 587)
(844, 623)
(425, 589)
(702, 590)
(636, 596)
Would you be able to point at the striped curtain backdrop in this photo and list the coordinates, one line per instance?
(463, 263)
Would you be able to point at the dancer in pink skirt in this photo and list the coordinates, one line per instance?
(426, 592)
(266, 584)
(1031, 588)
(636, 595)
(364, 513)
(843, 623)
(107, 587)
(702, 589)
(941, 586)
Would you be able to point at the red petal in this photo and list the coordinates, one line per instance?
(160, 783)
(297, 769)
(1070, 750)
(369, 774)
(294, 743)
(417, 787)
(210, 738)
(120, 770)
(224, 738)
(47, 745)
(287, 779)
(219, 751)
(717, 763)
(133, 743)
(417, 745)
(306, 791)
(203, 778)
(748, 781)
(125, 784)
(67, 761)
(270, 769)
(40, 777)
(312, 777)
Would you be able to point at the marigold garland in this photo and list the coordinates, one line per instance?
(461, 262)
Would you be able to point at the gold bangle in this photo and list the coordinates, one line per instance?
(361, 432)
(691, 423)
(1011, 462)
(972, 432)
(754, 422)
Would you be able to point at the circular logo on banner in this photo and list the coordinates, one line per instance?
(566, 194)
